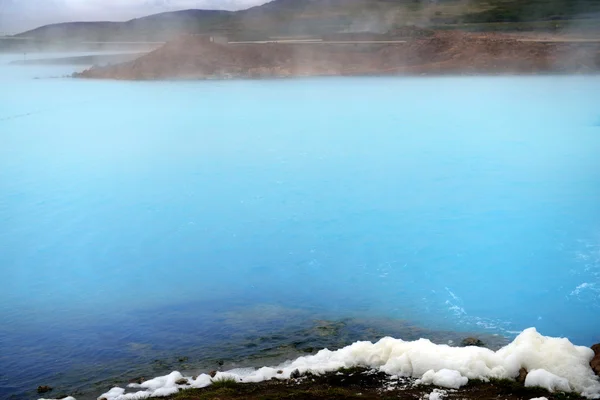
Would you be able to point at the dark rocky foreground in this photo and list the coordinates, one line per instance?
(438, 52)
(357, 383)
(363, 384)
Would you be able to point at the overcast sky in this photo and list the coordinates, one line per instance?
(20, 15)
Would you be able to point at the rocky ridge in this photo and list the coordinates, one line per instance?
(441, 52)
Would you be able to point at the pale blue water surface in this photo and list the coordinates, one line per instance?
(143, 219)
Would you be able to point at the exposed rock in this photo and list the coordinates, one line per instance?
(182, 381)
(522, 376)
(595, 363)
(471, 341)
(44, 389)
(138, 380)
(212, 373)
(280, 372)
(295, 374)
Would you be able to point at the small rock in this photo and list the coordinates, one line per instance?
(280, 372)
(522, 376)
(295, 374)
(181, 381)
(471, 341)
(220, 363)
(139, 380)
(212, 374)
(595, 363)
(194, 377)
(43, 389)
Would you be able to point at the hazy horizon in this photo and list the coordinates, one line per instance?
(22, 15)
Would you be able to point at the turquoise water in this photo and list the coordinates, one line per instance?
(141, 219)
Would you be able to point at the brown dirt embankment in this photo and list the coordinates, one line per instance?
(439, 53)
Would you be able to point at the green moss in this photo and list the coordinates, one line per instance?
(224, 383)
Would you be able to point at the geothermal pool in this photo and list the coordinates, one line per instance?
(153, 226)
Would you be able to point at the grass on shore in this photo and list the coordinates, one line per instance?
(224, 383)
(572, 26)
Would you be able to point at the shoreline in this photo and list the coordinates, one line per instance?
(107, 59)
(241, 78)
(532, 366)
(363, 383)
(273, 346)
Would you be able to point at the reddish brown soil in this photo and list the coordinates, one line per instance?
(441, 53)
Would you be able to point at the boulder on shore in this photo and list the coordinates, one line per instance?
(522, 376)
(595, 363)
(471, 341)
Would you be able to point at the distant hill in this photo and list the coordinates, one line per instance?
(156, 27)
(319, 17)
(279, 17)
